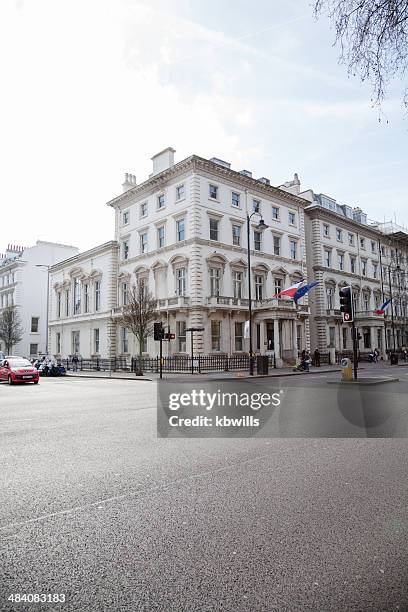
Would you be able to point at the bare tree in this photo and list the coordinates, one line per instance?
(11, 330)
(373, 36)
(138, 316)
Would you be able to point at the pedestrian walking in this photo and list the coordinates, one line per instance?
(317, 358)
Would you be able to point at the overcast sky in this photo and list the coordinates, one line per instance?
(93, 88)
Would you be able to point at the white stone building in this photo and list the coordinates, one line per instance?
(184, 231)
(343, 248)
(23, 283)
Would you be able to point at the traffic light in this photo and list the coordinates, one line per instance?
(346, 304)
(158, 331)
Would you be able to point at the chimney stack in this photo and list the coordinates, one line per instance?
(129, 182)
(163, 160)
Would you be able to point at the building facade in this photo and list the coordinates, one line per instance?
(184, 233)
(343, 248)
(23, 284)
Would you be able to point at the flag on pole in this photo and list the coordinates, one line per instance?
(381, 311)
(290, 291)
(303, 290)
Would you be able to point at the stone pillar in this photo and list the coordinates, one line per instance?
(294, 334)
(332, 355)
(276, 338)
(373, 338)
(262, 325)
(383, 342)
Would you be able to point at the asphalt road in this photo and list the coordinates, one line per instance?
(96, 507)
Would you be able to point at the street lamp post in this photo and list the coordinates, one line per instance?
(261, 226)
(392, 308)
(48, 303)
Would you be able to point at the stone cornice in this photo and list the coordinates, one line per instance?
(101, 249)
(314, 211)
(195, 163)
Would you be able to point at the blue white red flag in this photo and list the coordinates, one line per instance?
(290, 291)
(381, 311)
(303, 290)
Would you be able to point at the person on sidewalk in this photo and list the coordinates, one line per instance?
(316, 357)
(74, 363)
(376, 354)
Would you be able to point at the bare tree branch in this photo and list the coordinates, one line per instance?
(11, 330)
(373, 38)
(139, 315)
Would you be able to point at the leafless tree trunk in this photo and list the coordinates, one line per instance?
(138, 316)
(373, 36)
(11, 330)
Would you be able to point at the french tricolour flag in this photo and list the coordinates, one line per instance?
(381, 311)
(290, 291)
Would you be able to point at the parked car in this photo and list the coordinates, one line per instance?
(51, 369)
(18, 369)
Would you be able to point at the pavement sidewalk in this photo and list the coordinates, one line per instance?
(185, 376)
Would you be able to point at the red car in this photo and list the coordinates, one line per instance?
(18, 369)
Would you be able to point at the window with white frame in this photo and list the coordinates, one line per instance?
(58, 342)
(339, 235)
(351, 239)
(373, 246)
(97, 295)
(75, 342)
(67, 302)
(293, 249)
(96, 340)
(256, 206)
(327, 258)
(239, 336)
(235, 199)
(276, 245)
(59, 304)
(180, 281)
(124, 294)
(326, 230)
(278, 284)
(375, 270)
(366, 301)
(215, 281)
(330, 297)
(34, 325)
(236, 234)
(259, 287)
(215, 335)
(161, 201)
(180, 230)
(161, 238)
(341, 261)
(213, 192)
(124, 340)
(125, 249)
(237, 284)
(181, 336)
(362, 243)
(275, 213)
(214, 227)
(292, 218)
(86, 297)
(353, 265)
(143, 242)
(180, 192)
(125, 217)
(257, 240)
(143, 209)
(77, 296)
(364, 267)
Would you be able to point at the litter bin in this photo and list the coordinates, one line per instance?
(394, 359)
(262, 364)
(346, 369)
